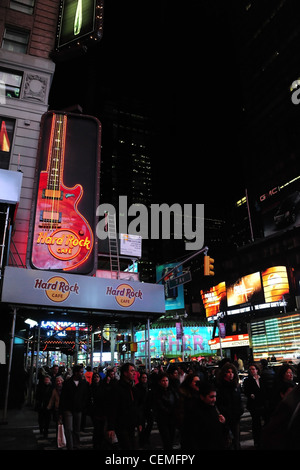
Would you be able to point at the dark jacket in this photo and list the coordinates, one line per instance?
(251, 388)
(43, 395)
(123, 411)
(187, 403)
(229, 401)
(101, 396)
(283, 430)
(74, 397)
(165, 401)
(209, 432)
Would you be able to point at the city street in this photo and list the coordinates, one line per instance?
(22, 433)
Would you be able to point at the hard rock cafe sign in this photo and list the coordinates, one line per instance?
(62, 237)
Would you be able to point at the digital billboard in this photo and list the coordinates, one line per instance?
(164, 341)
(275, 283)
(276, 337)
(214, 300)
(174, 296)
(260, 290)
(6, 138)
(246, 289)
(79, 19)
(280, 207)
(67, 191)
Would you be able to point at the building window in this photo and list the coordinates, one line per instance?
(25, 6)
(10, 84)
(15, 40)
(6, 137)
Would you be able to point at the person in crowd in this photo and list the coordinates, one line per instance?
(123, 417)
(136, 377)
(188, 401)
(101, 372)
(285, 374)
(283, 429)
(145, 402)
(117, 375)
(73, 403)
(88, 374)
(267, 379)
(210, 425)
(43, 396)
(110, 378)
(53, 404)
(229, 400)
(153, 378)
(96, 410)
(181, 373)
(54, 372)
(256, 399)
(174, 381)
(165, 401)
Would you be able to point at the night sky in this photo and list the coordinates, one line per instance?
(180, 57)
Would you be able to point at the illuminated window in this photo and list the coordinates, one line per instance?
(6, 137)
(10, 83)
(15, 40)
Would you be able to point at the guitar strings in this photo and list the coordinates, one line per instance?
(56, 165)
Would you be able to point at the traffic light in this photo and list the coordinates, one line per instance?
(208, 266)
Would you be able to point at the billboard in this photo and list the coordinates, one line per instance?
(6, 137)
(246, 289)
(214, 300)
(174, 297)
(130, 245)
(80, 20)
(261, 290)
(280, 207)
(164, 341)
(279, 337)
(275, 283)
(67, 190)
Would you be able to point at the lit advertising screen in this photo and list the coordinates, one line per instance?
(164, 342)
(67, 192)
(174, 296)
(63, 325)
(280, 207)
(6, 138)
(246, 289)
(78, 20)
(279, 337)
(214, 299)
(275, 283)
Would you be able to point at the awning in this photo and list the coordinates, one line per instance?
(56, 291)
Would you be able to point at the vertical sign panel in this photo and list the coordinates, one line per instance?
(64, 216)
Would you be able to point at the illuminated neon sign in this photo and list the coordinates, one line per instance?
(63, 237)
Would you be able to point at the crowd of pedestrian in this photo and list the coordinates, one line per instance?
(194, 408)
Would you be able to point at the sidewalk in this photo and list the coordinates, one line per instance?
(16, 432)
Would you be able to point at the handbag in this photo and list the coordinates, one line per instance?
(61, 438)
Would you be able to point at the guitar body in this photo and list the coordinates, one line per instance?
(62, 237)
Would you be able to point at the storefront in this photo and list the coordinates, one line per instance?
(44, 296)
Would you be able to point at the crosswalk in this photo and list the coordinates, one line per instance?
(246, 440)
(86, 437)
(86, 440)
(50, 442)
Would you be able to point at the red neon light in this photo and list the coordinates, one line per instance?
(57, 216)
(4, 140)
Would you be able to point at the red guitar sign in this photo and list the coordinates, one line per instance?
(62, 237)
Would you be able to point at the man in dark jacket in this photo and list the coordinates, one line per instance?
(123, 417)
(73, 402)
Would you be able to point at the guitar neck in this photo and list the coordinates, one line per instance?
(56, 154)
